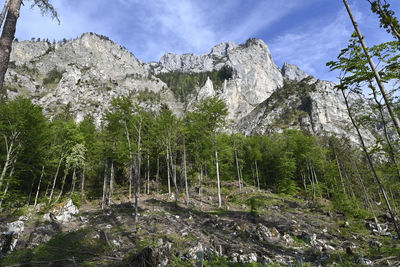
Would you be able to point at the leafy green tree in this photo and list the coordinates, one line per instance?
(387, 17)
(167, 127)
(131, 119)
(72, 141)
(344, 85)
(377, 76)
(211, 114)
(23, 128)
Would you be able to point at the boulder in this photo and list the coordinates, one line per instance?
(42, 233)
(9, 239)
(62, 214)
(195, 252)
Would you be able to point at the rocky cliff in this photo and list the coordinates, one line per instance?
(86, 73)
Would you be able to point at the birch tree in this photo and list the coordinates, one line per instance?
(211, 114)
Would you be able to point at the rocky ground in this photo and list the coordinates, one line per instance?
(254, 228)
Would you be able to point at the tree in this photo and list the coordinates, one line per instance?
(211, 114)
(354, 62)
(129, 119)
(372, 65)
(72, 149)
(167, 127)
(386, 17)
(12, 8)
(23, 130)
(346, 65)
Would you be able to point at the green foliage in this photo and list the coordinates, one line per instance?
(255, 204)
(53, 77)
(185, 84)
(291, 163)
(77, 199)
(148, 96)
(386, 16)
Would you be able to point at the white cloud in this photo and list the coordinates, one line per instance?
(311, 46)
(194, 27)
(152, 27)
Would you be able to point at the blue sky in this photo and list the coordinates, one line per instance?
(307, 33)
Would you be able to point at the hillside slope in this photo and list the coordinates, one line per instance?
(253, 227)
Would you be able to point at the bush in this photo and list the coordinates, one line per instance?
(77, 199)
(53, 77)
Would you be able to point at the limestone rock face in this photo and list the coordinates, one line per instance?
(292, 72)
(91, 71)
(255, 75)
(83, 76)
(310, 104)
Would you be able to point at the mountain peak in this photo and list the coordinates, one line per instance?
(293, 72)
(222, 49)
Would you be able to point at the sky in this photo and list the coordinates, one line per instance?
(307, 33)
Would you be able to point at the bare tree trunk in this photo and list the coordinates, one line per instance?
(253, 175)
(237, 168)
(9, 150)
(173, 169)
(4, 11)
(304, 181)
(4, 194)
(366, 196)
(62, 184)
(148, 174)
(201, 186)
(110, 193)
(340, 172)
(7, 37)
(130, 161)
(185, 173)
(8, 182)
(258, 180)
(137, 171)
(137, 181)
(73, 181)
(310, 177)
(371, 164)
(349, 183)
(55, 177)
(104, 200)
(38, 188)
(385, 131)
(218, 180)
(83, 181)
(315, 175)
(168, 174)
(384, 93)
(158, 173)
(130, 181)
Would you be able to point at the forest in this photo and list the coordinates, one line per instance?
(135, 151)
(150, 187)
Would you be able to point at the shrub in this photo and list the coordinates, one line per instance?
(53, 77)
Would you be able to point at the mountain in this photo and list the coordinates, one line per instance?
(86, 73)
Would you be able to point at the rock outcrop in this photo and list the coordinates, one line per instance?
(84, 74)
